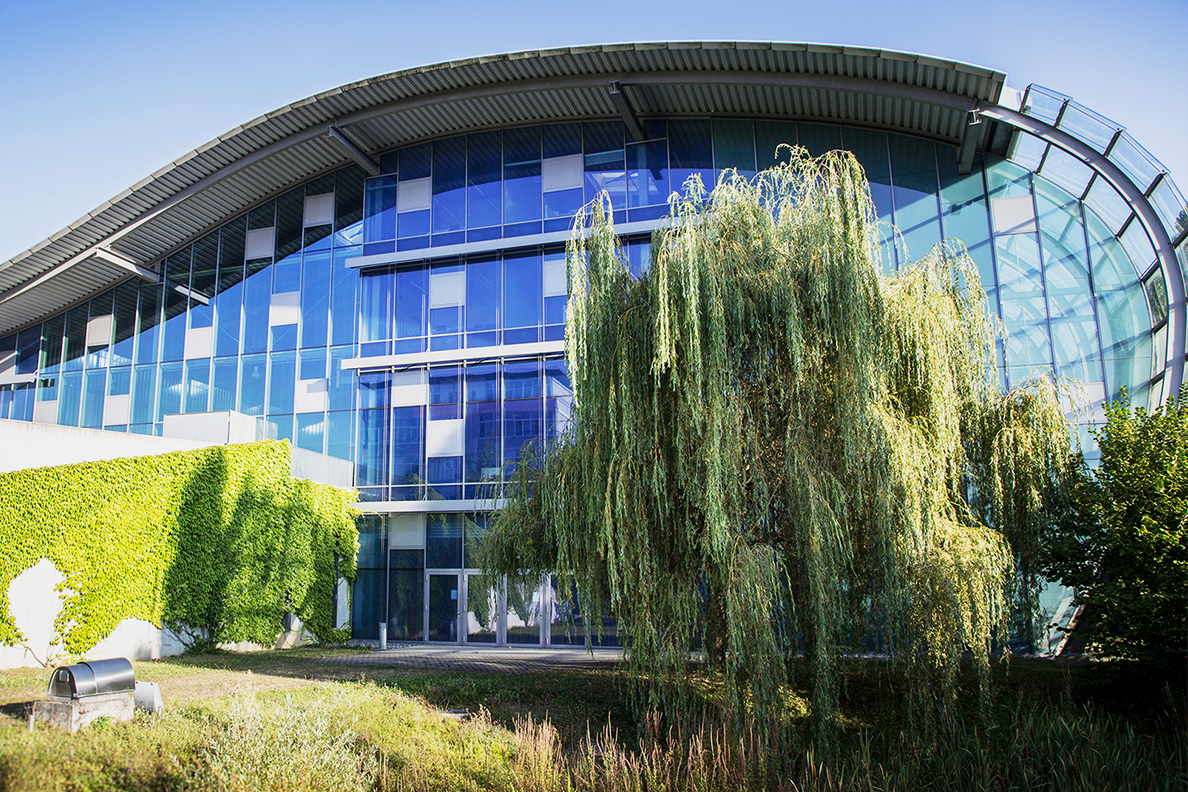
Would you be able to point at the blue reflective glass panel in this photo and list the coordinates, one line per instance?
(605, 169)
(484, 191)
(371, 466)
(769, 137)
(408, 444)
(70, 397)
(340, 428)
(315, 299)
(483, 441)
(197, 386)
(484, 289)
(647, 173)
(144, 394)
(28, 348)
(913, 169)
(149, 318)
(343, 320)
(253, 381)
(521, 379)
(449, 184)
(522, 278)
(170, 388)
(281, 381)
(691, 152)
(124, 319)
(376, 295)
(379, 213)
(522, 423)
(94, 390)
(445, 393)
(412, 302)
(224, 376)
(819, 138)
(482, 382)
(443, 541)
(310, 431)
(521, 175)
(257, 301)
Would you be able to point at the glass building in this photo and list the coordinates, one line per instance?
(379, 272)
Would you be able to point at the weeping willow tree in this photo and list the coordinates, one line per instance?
(780, 452)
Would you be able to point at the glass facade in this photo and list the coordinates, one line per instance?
(432, 373)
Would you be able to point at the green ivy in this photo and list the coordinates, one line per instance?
(219, 542)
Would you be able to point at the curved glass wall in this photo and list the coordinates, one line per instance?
(407, 369)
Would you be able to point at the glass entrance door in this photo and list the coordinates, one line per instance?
(482, 610)
(443, 607)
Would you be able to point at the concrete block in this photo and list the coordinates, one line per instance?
(74, 714)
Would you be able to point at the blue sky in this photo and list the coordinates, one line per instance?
(99, 95)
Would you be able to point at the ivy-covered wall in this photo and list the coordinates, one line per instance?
(221, 540)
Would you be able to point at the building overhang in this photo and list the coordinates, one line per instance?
(129, 234)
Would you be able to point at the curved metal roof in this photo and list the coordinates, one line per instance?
(895, 90)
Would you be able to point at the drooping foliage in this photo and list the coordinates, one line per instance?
(771, 445)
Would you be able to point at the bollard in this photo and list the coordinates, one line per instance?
(383, 636)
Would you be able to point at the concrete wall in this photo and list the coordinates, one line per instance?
(323, 468)
(35, 603)
(32, 445)
(26, 445)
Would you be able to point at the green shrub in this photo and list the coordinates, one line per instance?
(1125, 542)
(220, 541)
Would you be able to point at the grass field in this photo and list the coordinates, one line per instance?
(286, 721)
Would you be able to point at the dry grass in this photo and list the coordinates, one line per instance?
(280, 720)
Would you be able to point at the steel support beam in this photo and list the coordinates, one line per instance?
(969, 143)
(1143, 211)
(109, 256)
(353, 150)
(619, 100)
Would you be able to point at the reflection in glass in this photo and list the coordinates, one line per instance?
(482, 609)
(523, 610)
(443, 607)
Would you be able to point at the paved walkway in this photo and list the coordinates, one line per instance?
(478, 658)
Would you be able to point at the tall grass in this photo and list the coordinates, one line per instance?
(1036, 750)
(364, 736)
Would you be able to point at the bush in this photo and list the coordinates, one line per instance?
(1124, 541)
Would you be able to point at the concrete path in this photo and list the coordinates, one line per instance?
(475, 658)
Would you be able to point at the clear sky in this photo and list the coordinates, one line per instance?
(97, 96)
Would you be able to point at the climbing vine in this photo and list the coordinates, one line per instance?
(218, 542)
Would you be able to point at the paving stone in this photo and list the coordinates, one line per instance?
(473, 658)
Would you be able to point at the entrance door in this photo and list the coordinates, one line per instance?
(482, 610)
(443, 608)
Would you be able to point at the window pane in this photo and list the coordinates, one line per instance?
(521, 175)
(484, 193)
(379, 221)
(522, 290)
(605, 166)
(647, 173)
(407, 445)
(913, 168)
(691, 152)
(315, 299)
(734, 147)
(483, 294)
(443, 541)
(449, 183)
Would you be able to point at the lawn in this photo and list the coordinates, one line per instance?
(289, 720)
